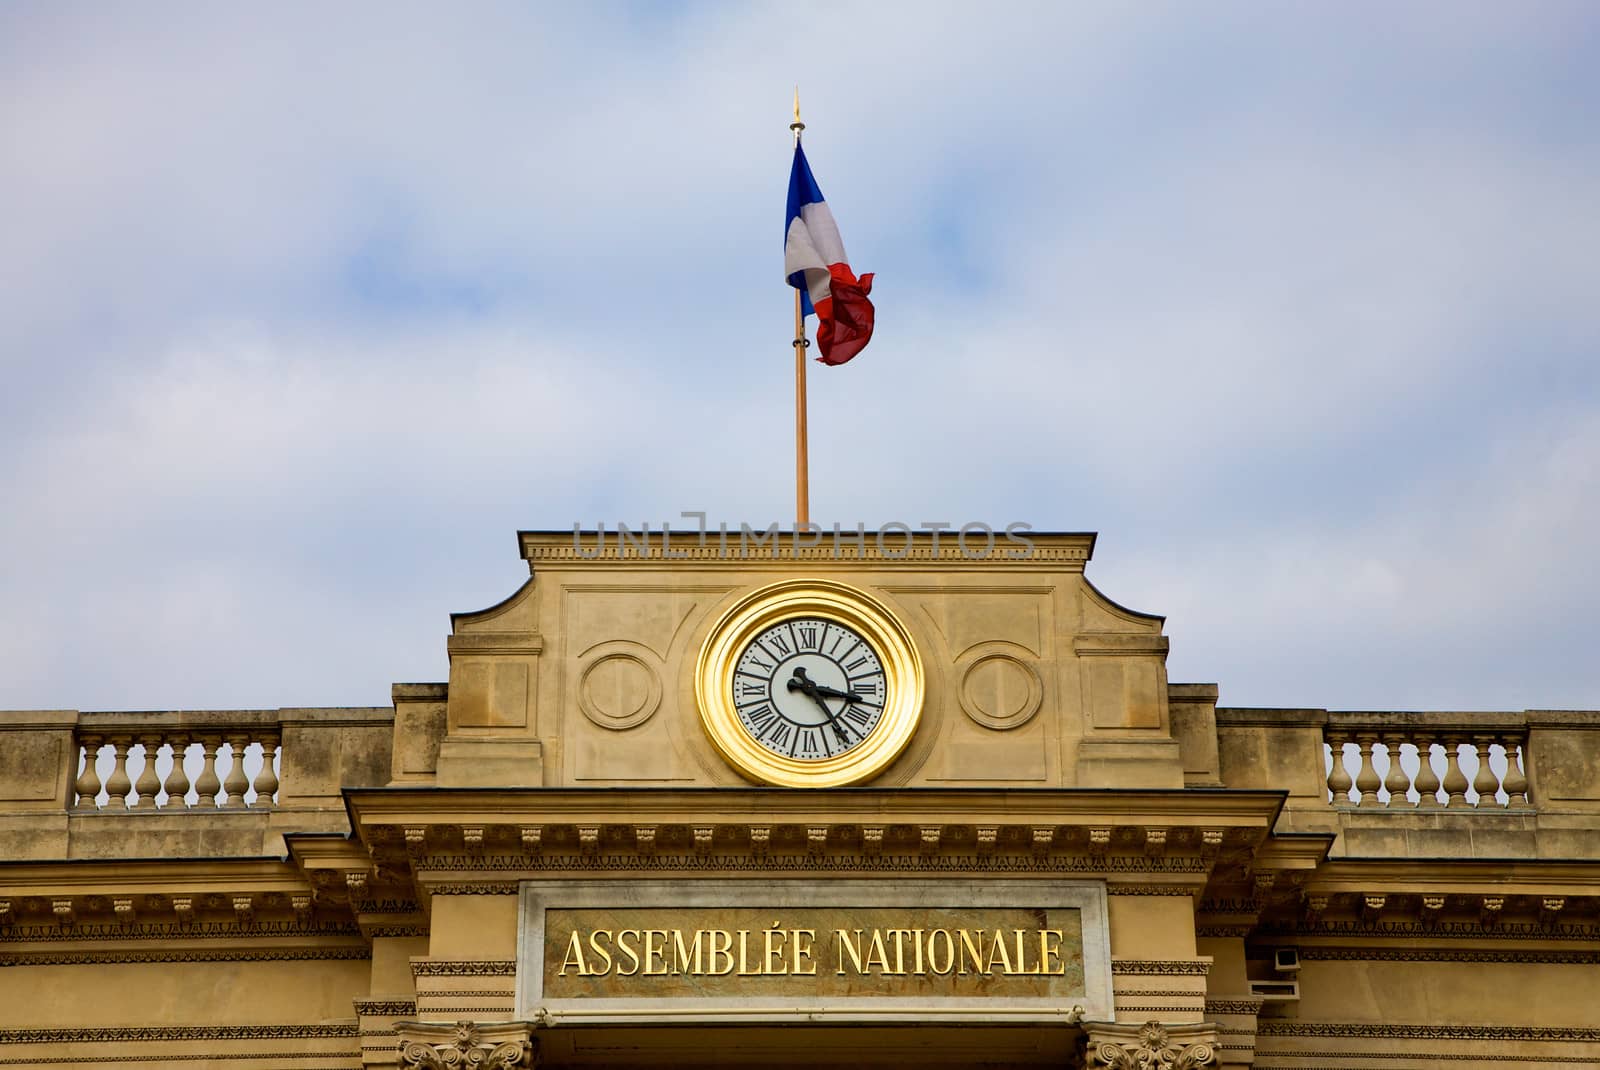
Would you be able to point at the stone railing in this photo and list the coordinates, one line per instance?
(131, 761)
(1426, 760)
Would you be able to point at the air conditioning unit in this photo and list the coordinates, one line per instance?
(1276, 991)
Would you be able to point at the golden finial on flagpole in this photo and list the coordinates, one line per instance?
(797, 125)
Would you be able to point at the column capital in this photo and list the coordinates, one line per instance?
(478, 1045)
(1151, 1046)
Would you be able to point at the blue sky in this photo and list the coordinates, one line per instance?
(307, 308)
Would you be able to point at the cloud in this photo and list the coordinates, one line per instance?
(306, 310)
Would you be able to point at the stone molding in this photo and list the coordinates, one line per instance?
(1057, 551)
(1396, 1031)
(1151, 1046)
(100, 956)
(467, 1044)
(1193, 967)
(463, 968)
(1447, 954)
(1234, 1006)
(385, 1007)
(139, 1034)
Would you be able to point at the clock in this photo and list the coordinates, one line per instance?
(809, 683)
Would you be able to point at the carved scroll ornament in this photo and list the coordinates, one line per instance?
(467, 1046)
(1151, 1046)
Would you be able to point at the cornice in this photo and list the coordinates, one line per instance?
(1465, 876)
(126, 1033)
(94, 956)
(72, 877)
(1187, 807)
(1428, 1031)
(818, 551)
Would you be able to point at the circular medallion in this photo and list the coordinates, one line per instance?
(618, 691)
(809, 683)
(999, 691)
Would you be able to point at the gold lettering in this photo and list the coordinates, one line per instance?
(655, 950)
(686, 959)
(773, 961)
(854, 950)
(880, 953)
(972, 949)
(916, 945)
(719, 950)
(603, 953)
(1046, 950)
(744, 956)
(998, 952)
(800, 944)
(899, 948)
(1022, 959)
(574, 957)
(631, 952)
(949, 952)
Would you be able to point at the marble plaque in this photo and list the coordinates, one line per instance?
(813, 950)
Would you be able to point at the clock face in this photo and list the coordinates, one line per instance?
(809, 683)
(809, 689)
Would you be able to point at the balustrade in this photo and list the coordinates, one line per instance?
(1400, 765)
(177, 768)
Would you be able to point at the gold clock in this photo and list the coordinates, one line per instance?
(809, 683)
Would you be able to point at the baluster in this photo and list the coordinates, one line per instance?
(1367, 782)
(1427, 781)
(267, 779)
(1485, 783)
(88, 785)
(208, 785)
(1396, 783)
(1516, 779)
(177, 780)
(1338, 776)
(236, 782)
(118, 785)
(1455, 781)
(148, 784)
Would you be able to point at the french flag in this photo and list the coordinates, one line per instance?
(814, 261)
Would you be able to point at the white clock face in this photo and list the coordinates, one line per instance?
(809, 688)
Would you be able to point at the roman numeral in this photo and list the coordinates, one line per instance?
(749, 689)
(781, 643)
(761, 718)
(858, 715)
(808, 637)
(865, 688)
(758, 663)
(856, 664)
(778, 736)
(840, 732)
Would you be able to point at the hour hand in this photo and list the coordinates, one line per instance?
(848, 696)
(800, 682)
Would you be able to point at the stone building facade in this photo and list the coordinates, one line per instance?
(583, 851)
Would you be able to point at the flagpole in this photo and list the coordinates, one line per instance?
(802, 478)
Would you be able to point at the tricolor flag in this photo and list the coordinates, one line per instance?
(814, 260)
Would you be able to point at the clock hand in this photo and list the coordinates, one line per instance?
(814, 691)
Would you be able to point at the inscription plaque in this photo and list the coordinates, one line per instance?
(596, 951)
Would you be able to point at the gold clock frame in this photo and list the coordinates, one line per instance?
(828, 600)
